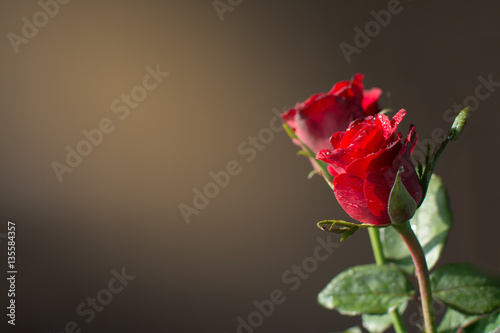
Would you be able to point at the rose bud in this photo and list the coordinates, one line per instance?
(314, 120)
(365, 160)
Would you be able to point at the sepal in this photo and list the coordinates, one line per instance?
(347, 229)
(402, 206)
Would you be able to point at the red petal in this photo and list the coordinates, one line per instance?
(381, 158)
(349, 89)
(398, 118)
(349, 193)
(325, 155)
(384, 124)
(409, 177)
(377, 188)
(336, 168)
(308, 101)
(410, 180)
(326, 116)
(411, 139)
(369, 139)
(357, 81)
(339, 87)
(332, 171)
(354, 128)
(370, 101)
(389, 127)
(336, 139)
(314, 108)
(344, 156)
(337, 158)
(289, 118)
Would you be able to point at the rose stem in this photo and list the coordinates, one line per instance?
(374, 233)
(424, 282)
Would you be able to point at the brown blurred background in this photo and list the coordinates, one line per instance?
(120, 206)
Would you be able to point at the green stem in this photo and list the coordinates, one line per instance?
(424, 282)
(374, 233)
(397, 322)
(376, 246)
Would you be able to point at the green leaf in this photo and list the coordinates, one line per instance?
(466, 288)
(431, 224)
(355, 329)
(346, 228)
(401, 206)
(342, 227)
(380, 323)
(368, 289)
(453, 320)
(490, 324)
(329, 224)
(349, 232)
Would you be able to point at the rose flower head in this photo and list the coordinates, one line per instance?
(314, 120)
(364, 162)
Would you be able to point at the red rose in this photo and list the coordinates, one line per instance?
(314, 120)
(364, 163)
